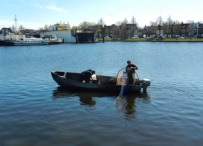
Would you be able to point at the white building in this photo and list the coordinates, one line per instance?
(67, 35)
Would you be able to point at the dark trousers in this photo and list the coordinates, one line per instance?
(85, 78)
(131, 78)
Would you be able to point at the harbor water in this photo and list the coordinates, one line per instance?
(34, 111)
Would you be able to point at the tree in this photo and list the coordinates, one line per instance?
(21, 27)
(100, 28)
(124, 28)
(117, 31)
(12, 28)
(46, 27)
(134, 26)
(169, 26)
(101, 22)
(160, 23)
(85, 25)
(191, 28)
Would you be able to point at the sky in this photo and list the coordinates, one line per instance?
(35, 14)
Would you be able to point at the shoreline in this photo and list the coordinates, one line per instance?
(152, 40)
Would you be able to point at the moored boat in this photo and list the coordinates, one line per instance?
(103, 83)
(30, 42)
(53, 39)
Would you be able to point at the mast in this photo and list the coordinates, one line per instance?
(15, 23)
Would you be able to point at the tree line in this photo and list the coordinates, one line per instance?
(121, 28)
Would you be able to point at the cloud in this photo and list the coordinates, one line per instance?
(53, 7)
(50, 7)
(38, 6)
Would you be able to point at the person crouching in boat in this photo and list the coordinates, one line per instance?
(130, 69)
(86, 76)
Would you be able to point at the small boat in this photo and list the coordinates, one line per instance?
(53, 39)
(103, 83)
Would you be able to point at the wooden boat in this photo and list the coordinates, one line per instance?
(103, 83)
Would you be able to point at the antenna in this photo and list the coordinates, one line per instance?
(15, 23)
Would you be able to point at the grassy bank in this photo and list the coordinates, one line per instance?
(153, 39)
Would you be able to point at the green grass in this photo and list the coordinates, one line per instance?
(153, 39)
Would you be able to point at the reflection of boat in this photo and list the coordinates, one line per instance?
(105, 83)
(86, 98)
(66, 92)
(89, 98)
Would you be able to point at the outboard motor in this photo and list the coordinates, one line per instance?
(145, 84)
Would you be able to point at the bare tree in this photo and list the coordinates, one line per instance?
(191, 28)
(160, 23)
(134, 26)
(12, 28)
(169, 21)
(166, 29)
(46, 27)
(124, 28)
(176, 27)
(101, 22)
(21, 27)
(169, 26)
(115, 31)
(118, 31)
(100, 28)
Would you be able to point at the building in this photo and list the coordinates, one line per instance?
(58, 27)
(5, 31)
(173, 30)
(72, 36)
(123, 31)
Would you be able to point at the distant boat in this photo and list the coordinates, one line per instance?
(28, 42)
(13, 39)
(53, 39)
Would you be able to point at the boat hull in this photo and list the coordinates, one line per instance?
(30, 43)
(106, 83)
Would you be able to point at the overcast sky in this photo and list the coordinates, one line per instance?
(33, 14)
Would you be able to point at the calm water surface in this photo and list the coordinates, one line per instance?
(34, 111)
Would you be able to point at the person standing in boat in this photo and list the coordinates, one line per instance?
(87, 76)
(130, 69)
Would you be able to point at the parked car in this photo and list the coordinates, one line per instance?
(135, 36)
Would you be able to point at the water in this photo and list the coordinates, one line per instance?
(34, 111)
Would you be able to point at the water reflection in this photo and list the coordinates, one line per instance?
(125, 103)
(86, 98)
(128, 102)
